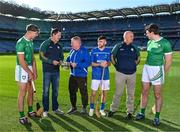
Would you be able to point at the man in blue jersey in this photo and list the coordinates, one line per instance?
(100, 60)
(79, 61)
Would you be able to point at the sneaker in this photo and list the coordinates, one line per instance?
(83, 111)
(156, 122)
(31, 114)
(23, 120)
(110, 114)
(91, 112)
(72, 110)
(140, 116)
(45, 114)
(59, 112)
(129, 116)
(102, 113)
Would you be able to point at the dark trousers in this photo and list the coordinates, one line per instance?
(74, 84)
(50, 78)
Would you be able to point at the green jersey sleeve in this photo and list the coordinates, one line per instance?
(167, 47)
(20, 48)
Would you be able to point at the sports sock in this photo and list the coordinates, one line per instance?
(102, 106)
(91, 105)
(143, 110)
(21, 113)
(30, 109)
(157, 114)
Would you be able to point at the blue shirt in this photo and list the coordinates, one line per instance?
(125, 57)
(97, 56)
(82, 58)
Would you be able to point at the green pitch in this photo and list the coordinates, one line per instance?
(170, 115)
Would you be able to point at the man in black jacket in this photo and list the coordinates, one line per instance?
(51, 54)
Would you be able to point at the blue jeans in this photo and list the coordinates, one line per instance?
(50, 78)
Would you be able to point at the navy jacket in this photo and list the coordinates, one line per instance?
(125, 57)
(49, 52)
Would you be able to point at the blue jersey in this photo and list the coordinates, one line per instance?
(97, 56)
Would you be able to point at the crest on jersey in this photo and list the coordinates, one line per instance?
(23, 77)
(132, 49)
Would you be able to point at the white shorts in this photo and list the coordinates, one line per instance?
(95, 84)
(153, 74)
(21, 75)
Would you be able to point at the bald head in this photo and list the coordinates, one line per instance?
(128, 37)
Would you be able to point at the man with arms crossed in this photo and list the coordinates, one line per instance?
(26, 71)
(158, 63)
(100, 60)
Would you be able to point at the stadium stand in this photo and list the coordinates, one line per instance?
(89, 25)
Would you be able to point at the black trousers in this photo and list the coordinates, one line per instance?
(74, 84)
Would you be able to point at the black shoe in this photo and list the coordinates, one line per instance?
(24, 121)
(110, 113)
(156, 122)
(129, 116)
(140, 116)
(72, 110)
(83, 111)
(32, 114)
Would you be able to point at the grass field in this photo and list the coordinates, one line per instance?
(170, 115)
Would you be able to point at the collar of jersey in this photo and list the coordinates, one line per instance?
(26, 39)
(158, 39)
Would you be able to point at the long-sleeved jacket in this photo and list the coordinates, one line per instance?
(49, 52)
(82, 58)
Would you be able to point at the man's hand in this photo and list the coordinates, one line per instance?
(31, 76)
(168, 62)
(104, 64)
(35, 76)
(61, 62)
(73, 65)
(55, 62)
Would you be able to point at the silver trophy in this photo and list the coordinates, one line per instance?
(65, 65)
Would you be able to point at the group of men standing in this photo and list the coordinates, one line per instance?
(124, 56)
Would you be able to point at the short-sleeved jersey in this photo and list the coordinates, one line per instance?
(157, 50)
(24, 46)
(97, 56)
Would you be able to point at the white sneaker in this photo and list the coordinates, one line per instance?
(102, 113)
(59, 112)
(91, 112)
(45, 114)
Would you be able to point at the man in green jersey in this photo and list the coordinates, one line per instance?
(158, 63)
(25, 71)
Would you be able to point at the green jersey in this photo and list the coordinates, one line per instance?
(157, 50)
(24, 46)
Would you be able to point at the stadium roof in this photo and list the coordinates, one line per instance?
(17, 10)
